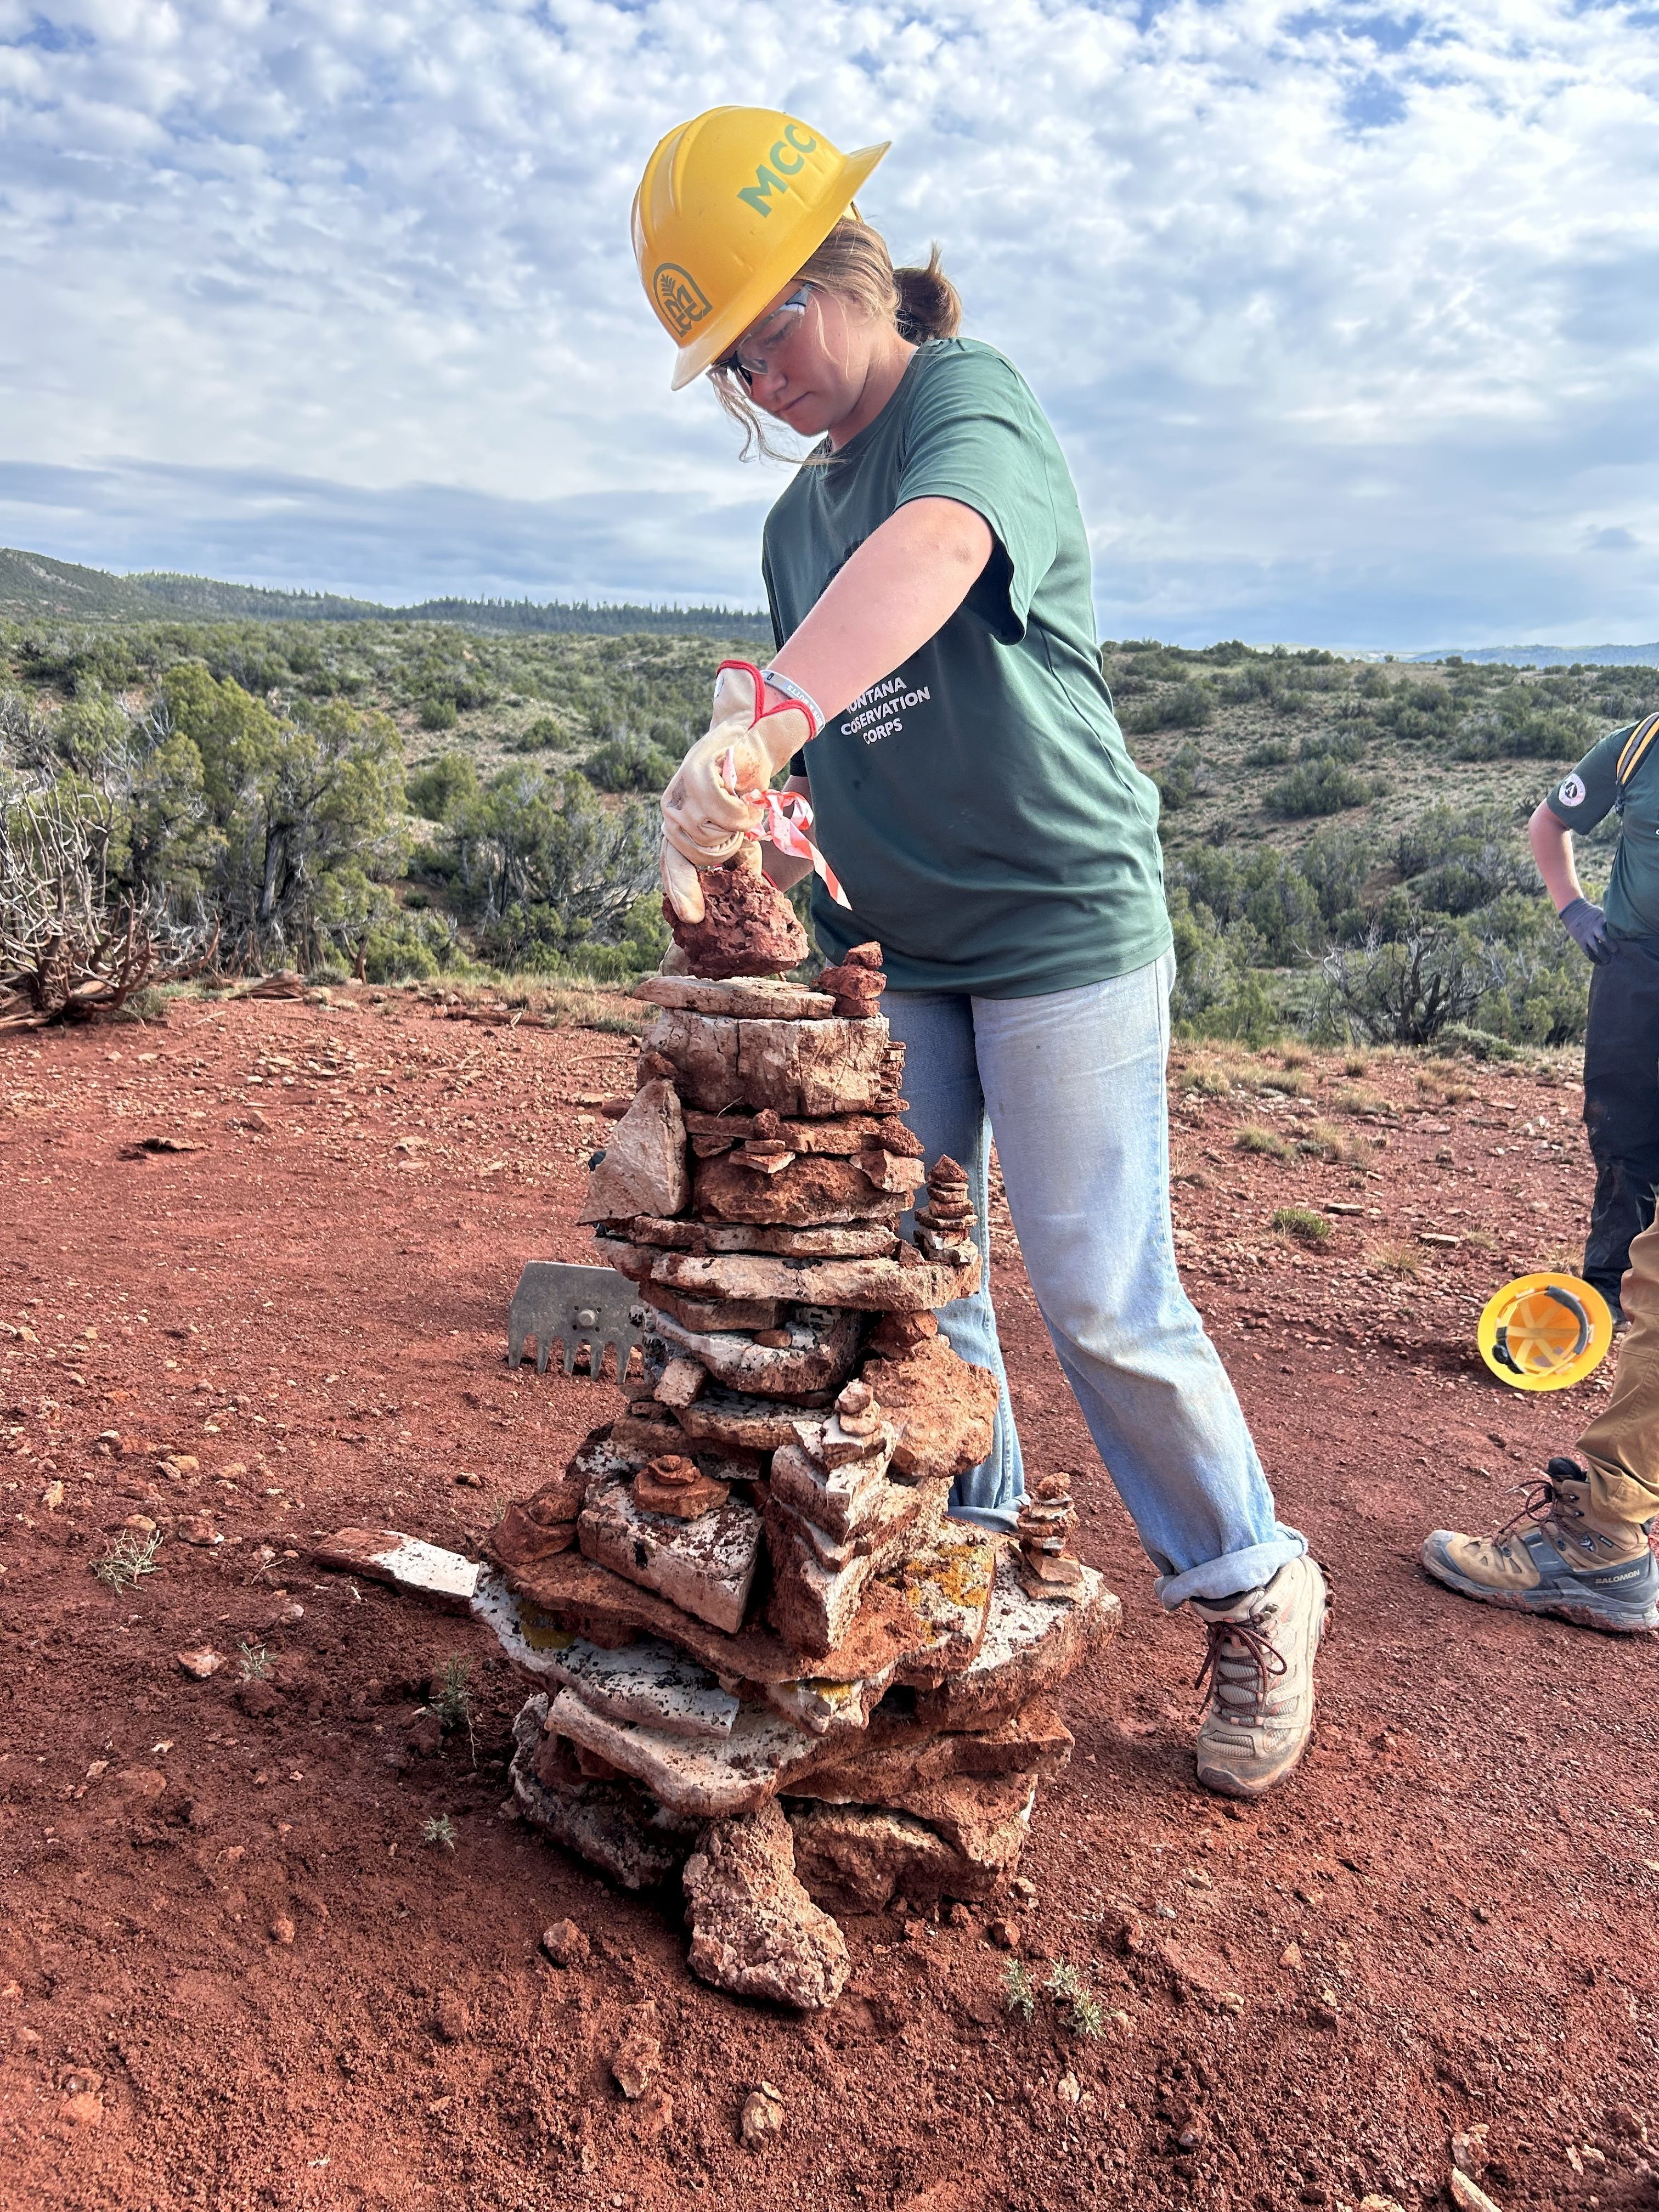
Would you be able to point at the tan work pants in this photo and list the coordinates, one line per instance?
(1621, 1445)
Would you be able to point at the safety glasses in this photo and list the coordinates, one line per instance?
(755, 353)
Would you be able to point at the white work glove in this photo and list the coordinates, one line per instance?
(707, 811)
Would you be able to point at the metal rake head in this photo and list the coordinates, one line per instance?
(570, 1306)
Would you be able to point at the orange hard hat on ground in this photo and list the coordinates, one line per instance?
(1545, 1331)
(730, 206)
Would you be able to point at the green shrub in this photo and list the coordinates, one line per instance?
(438, 713)
(1319, 787)
(1183, 706)
(1479, 1044)
(536, 737)
(1301, 1223)
(1182, 780)
(1271, 752)
(443, 785)
(629, 763)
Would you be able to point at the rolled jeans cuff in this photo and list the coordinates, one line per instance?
(1237, 1571)
(1001, 1518)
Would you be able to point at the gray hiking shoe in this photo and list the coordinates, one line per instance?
(1559, 1557)
(1259, 1667)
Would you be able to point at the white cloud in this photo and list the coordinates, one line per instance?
(1347, 318)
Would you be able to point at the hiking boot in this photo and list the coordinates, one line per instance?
(1259, 1667)
(1556, 1556)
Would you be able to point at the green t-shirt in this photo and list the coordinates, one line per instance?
(1580, 801)
(978, 805)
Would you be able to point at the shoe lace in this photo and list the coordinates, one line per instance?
(1537, 1509)
(1235, 1651)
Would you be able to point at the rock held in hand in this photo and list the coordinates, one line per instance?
(748, 928)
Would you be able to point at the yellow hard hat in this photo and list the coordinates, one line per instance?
(731, 205)
(1545, 1331)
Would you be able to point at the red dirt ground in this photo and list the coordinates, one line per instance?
(232, 1974)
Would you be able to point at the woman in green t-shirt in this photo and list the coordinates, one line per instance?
(938, 691)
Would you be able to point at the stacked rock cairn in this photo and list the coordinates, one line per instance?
(766, 1657)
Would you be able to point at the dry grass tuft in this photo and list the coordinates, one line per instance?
(1253, 1137)
(1403, 1258)
(1359, 1099)
(1327, 1140)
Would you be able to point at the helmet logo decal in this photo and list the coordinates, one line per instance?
(770, 178)
(680, 300)
(1571, 793)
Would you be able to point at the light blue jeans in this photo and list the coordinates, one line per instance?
(1073, 1086)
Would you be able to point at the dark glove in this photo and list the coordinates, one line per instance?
(1583, 923)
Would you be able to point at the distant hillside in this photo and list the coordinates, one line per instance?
(33, 586)
(1550, 656)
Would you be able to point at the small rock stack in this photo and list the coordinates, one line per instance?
(768, 1657)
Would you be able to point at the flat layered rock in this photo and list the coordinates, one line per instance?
(601, 1459)
(866, 1286)
(755, 1931)
(709, 1316)
(516, 1539)
(896, 1635)
(810, 1192)
(836, 1241)
(706, 1567)
(648, 1682)
(814, 1603)
(904, 1512)
(762, 997)
(987, 1818)
(642, 1168)
(947, 1589)
(857, 1858)
(1031, 1745)
(841, 1500)
(1030, 1646)
(444, 1578)
(829, 1708)
(816, 1360)
(605, 1824)
(731, 1421)
(809, 1069)
(703, 1777)
(945, 1410)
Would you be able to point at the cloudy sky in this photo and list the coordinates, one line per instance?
(1349, 319)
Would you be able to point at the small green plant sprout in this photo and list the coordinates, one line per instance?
(1083, 2013)
(440, 1829)
(452, 1699)
(1018, 1994)
(129, 1558)
(255, 1661)
(1302, 1224)
(1252, 1138)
